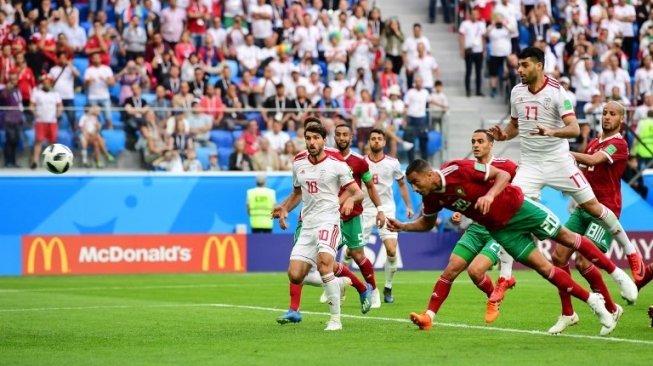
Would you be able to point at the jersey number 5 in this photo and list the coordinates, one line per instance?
(531, 109)
(311, 186)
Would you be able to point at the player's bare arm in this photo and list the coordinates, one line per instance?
(597, 158)
(570, 130)
(356, 196)
(403, 191)
(501, 179)
(510, 132)
(376, 200)
(423, 223)
(281, 212)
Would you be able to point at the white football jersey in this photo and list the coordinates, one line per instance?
(384, 173)
(320, 184)
(546, 107)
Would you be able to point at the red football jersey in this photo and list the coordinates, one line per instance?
(359, 168)
(605, 179)
(506, 165)
(464, 182)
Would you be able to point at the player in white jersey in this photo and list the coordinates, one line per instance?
(318, 177)
(543, 117)
(385, 171)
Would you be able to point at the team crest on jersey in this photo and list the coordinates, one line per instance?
(547, 103)
(460, 191)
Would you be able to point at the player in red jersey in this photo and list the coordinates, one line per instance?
(471, 188)
(603, 164)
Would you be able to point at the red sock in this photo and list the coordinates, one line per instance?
(594, 278)
(295, 296)
(563, 281)
(486, 285)
(648, 276)
(585, 247)
(565, 298)
(368, 272)
(440, 293)
(343, 271)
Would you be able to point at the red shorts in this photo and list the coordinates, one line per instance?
(46, 131)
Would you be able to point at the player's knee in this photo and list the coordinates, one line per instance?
(476, 273)
(582, 264)
(295, 277)
(559, 259)
(452, 271)
(357, 254)
(592, 207)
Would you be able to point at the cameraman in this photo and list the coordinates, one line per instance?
(499, 34)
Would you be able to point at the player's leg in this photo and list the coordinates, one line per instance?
(302, 259)
(530, 178)
(39, 137)
(352, 237)
(83, 140)
(593, 276)
(560, 258)
(328, 238)
(505, 281)
(477, 270)
(391, 244)
(569, 179)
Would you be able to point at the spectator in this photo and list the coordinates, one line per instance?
(184, 99)
(191, 162)
(315, 86)
(212, 105)
(641, 112)
(276, 137)
(417, 125)
(287, 157)
(295, 80)
(614, 76)
(248, 55)
(214, 162)
(566, 84)
(173, 20)
(198, 16)
(161, 104)
(152, 20)
(131, 11)
(584, 80)
(439, 104)
(181, 138)
(393, 39)
(97, 80)
(277, 107)
(128, 77)
(365, 118)
(47, 106)
(90, 127)
(306, 38)
(631, 171)
(170, 161)
(643, 148)
(362, 81)
(99, 43)
(327, 105)
(64, 75)
(235, 117)
(189, 65)
(7, 63)
(219, 34)
(135, 108)
(538, 23)
(75, 34)
(210, 56)
(45, 42)
(134, 38)
(199, 83)
(266, 158)
(261, 14)
(225, 81)
(200, 125)
(10, 96)
(625, 14)
(425, 66)
(235, 36)
(594, 110)
(26, 79)
(251, 137)
(35, 59)
(282, 67)
(618, 97)
(339, 84)
(300, 141)
(302, 104)
(644, 79)
(154, 139)
(499, 34)
(472, 49)
(409, 48)
(173, 81)
(266, 87)
(178, 116)
(335, 54)
(360, 51)
(239, 160)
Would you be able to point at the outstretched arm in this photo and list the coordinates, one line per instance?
(597, 158)
(570, 130)
(281, 212)
(376, 200)
(423, 223)
(510, 132)
(403, 191)
(501, 179)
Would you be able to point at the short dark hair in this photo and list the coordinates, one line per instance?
(346, 125)
(438, 83)
(488, 134)
(417, 166)
(316, 129)
(379, 131)
(534, 53)
(312, 119)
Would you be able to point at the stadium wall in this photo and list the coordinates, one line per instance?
(131, 223)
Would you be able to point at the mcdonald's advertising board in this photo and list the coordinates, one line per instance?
(108, 254)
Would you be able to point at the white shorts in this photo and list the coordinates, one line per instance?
(563, 176)
(369, 222)
(311, 241)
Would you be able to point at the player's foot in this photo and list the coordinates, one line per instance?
(637, 266)
(423, 321)
(333, 325)
(345, 282)
(32, 166)
(628, 288)
(110, 158)
(291, 316)
(376, 299)
(563, 322)
(500, 289)
(597, 304)
(616, 315)
(387, 295)
(100, 164)
(407, 145)
(323, 298)
(366, 299)
(491, 311)
(648, 276)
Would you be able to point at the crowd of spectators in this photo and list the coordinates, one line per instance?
(174, 76)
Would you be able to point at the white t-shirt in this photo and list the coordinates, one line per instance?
(416, 102)
(261, 28)
(584, 82)
(473, 32)
(425, 67)
(500, 45)
(88, 123)
(233, 8)
(618, 78)
(248, 56)
(547, 107)
(98, 88)
(366, 114)
(45, 105)
(65, 85)
(268, 86)
(281, 70)
(219, 36)
(338, 88)
(384, 173)
(277, 141)
(320, 184)
(308, 39)
(644, 80)
(410, 46)
(627, 29)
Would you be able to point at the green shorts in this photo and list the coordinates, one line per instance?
(531, 219)
(477, 240)
(352, 233)
(298, 230)
(583, 223)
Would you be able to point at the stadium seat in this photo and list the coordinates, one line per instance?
(80, 100)
(65, 137)
(222, 138)
(114, 92)
(29, 137)
(203, 155)
(2, 138)
(115, 140)
(233, 65)
(292, 134)
(223, 157)
(435, 142)
(111, 14)
(116, 119)
(214, 79)
(149, 98)
(255, 116)
(86, 25)
(83, 10)
(81, 64)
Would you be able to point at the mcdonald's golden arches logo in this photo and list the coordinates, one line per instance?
(221, 247)
(47, 249)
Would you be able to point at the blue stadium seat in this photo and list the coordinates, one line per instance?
(236, 134)
(435, 142)
(223, 157)
(233, 65)
(65, 137)
(111, 14)
(81, 64)
(29, 136)
(86, 25)
(114, 92)
(214, 79)
(116, 119)
(292, 134)
(149, 98)
(83, 10)
(203, 155)
(222, 138)
(255, 116)
(115, 140)
(80, 100)
(2, 138)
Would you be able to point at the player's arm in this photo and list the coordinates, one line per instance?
(281, 212)
(374, 197)
(597, 158)
(423, 223)
(355, 196)
(501, 179)
(403, 191)
(571, 129)
(510, 132)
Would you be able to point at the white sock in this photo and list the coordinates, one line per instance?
(611, 222)
(431, 314)
(84, 156)
(346, 259)
(506, 264)
(390, 270)
(313, 278)
(332, 288)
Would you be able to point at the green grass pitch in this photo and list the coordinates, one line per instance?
(230, 320)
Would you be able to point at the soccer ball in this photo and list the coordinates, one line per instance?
(57, 158)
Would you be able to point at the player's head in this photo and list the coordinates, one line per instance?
(377, 140)
(613, 116)
(422, 177)
(343, 136)
(312, 121)
(315, 136)
(482, 143)
(531, 64)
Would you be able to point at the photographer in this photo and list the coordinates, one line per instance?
(499, 33)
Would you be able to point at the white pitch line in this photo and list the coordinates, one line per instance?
(362, 317)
